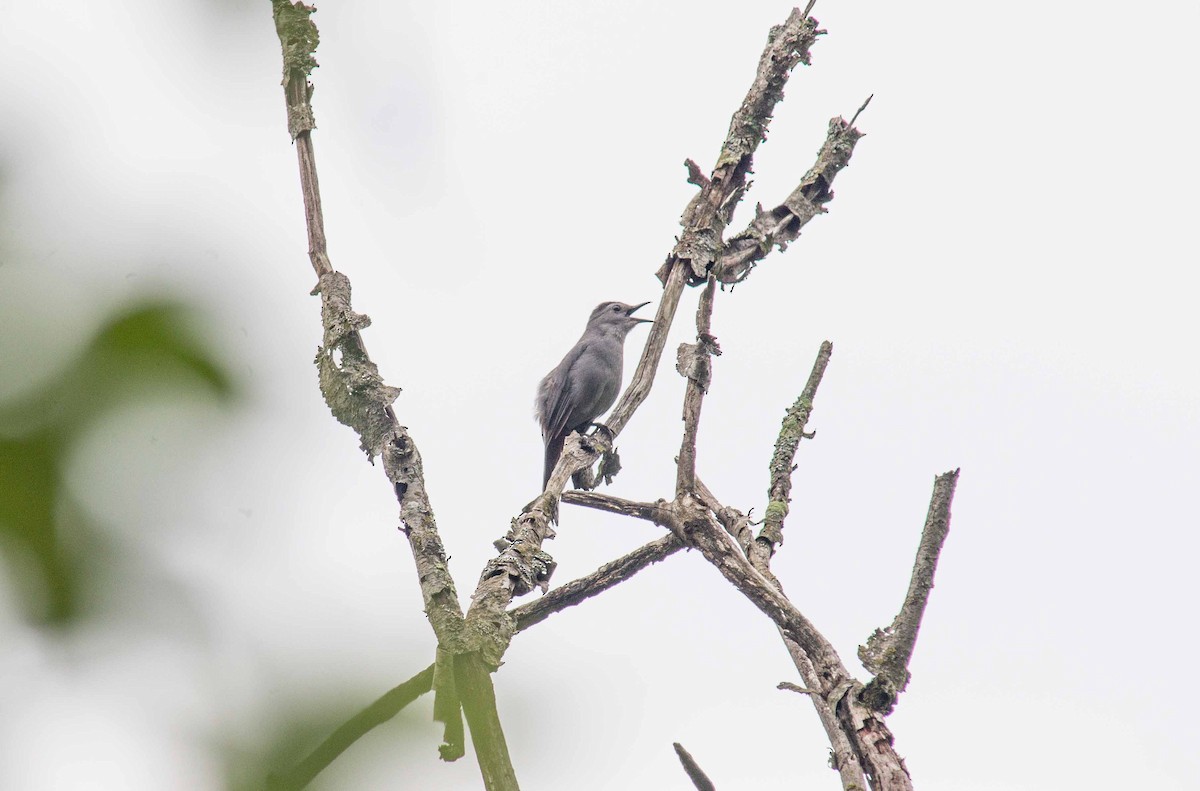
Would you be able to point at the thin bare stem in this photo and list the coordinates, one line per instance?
(387, 706)
(889, 651)
(861, 107)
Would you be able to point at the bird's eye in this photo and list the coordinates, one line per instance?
(616, 308)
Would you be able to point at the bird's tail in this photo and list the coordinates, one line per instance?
(554, 447)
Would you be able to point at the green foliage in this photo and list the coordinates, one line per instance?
(143, 350)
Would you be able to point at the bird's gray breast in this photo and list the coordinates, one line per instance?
(596, 376)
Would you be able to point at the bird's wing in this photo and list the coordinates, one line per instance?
(555, 396)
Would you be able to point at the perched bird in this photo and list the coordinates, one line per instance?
(585, 384)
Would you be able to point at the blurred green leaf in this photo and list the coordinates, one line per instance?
(148, 349)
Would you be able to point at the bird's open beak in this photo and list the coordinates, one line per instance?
(631, 311)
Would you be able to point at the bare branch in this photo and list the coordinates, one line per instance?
(694, 772)
(855, 730)
(387, 706)
(782, 224)
(782, 463)
(718, 549)
(643, 375)
(848, 736)
(694, 362)
(844, 755)
(888, 651)
(790, 687)
(603, 578)
(651, 512)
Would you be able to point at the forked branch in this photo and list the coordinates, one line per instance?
(523, 565)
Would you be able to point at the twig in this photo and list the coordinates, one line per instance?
(888, 651)
(603, 578)
(694, 362)
(796, 688)
(782, 463)
(861, 107)
(694, 772)
(387, 706)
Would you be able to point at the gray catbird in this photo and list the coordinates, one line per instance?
(585, 384)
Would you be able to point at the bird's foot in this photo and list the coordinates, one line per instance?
(608, 432)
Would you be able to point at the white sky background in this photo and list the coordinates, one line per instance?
(1007, 275)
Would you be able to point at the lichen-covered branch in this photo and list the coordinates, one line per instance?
(600, 580)
(349, 380)
(693, 770)
(358, 398)
(783, 463)
(888, 651)
(782, 224)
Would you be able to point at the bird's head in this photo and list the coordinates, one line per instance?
(616, 317)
